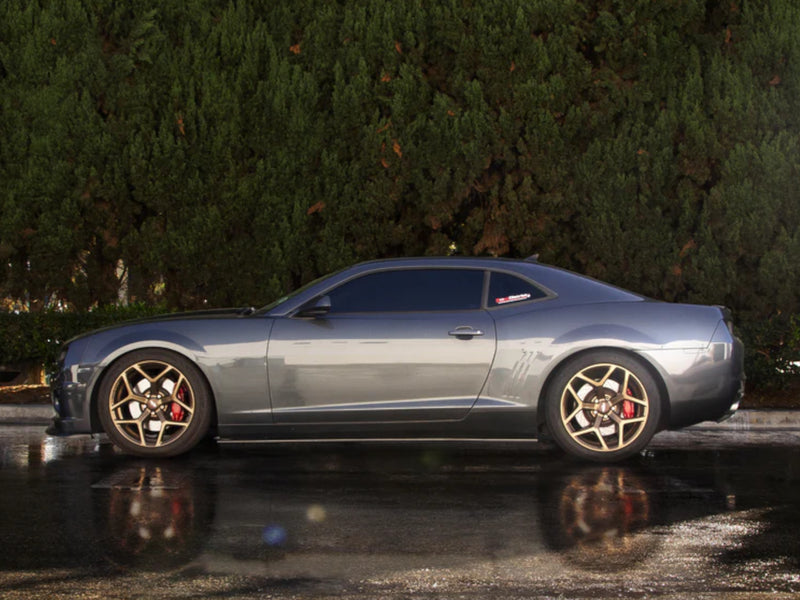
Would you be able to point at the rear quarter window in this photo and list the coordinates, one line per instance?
(505, 289)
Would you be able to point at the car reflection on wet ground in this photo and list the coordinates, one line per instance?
(698, 514)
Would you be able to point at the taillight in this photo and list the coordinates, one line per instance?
(727, 316)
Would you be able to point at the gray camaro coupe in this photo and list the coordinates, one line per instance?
(423, 348)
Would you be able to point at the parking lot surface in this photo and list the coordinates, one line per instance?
(702, 514)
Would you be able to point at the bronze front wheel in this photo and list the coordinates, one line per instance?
(154, 403)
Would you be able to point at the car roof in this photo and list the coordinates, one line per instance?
(486, 262)
(565, 286)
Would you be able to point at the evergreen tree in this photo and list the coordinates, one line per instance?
(218, 153)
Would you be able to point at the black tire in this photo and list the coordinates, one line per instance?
(154, 403)
(602, 406)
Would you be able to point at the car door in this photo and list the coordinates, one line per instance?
(396, 345)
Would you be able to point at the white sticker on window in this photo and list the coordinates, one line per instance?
(514, 298)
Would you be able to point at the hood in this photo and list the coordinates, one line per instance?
(214, 313)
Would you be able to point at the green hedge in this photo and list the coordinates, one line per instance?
(771, 347)
(216, 153)
(37, 337)
(223, 153)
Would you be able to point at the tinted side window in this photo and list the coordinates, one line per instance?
(507, 289)
(410, 290)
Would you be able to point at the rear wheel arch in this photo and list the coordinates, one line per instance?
(564, 362)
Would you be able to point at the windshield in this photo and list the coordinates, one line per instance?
(290, 295)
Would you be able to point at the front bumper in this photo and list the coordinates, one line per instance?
(71, 404)
(62, 427)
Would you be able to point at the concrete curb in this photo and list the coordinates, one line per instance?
(755, 420)
(743, 420)
(26, 414)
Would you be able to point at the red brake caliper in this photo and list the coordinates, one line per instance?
(175, 409)
(627, 406)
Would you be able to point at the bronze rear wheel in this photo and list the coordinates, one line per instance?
(603, 406)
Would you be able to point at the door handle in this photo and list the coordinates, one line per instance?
(465, 332)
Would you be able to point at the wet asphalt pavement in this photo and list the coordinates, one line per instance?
(699, 514)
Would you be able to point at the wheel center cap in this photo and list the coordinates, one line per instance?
(152, 404)
(604, 406)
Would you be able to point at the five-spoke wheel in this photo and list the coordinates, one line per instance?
(154, 403)
(603, 406)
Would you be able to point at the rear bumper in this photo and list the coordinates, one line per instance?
(735, 405)
(702, 385)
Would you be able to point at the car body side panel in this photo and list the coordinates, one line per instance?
(675, 339)
(378, 367)
(488, 424)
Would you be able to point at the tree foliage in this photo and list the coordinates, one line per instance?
(225, 152)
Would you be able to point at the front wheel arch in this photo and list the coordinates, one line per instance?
(95, 398)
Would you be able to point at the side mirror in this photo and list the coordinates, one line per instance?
(315, 309)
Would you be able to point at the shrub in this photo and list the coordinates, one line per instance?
(37, 337)
(772, 346)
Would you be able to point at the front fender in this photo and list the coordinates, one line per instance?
(102, 355)
(230, 353)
